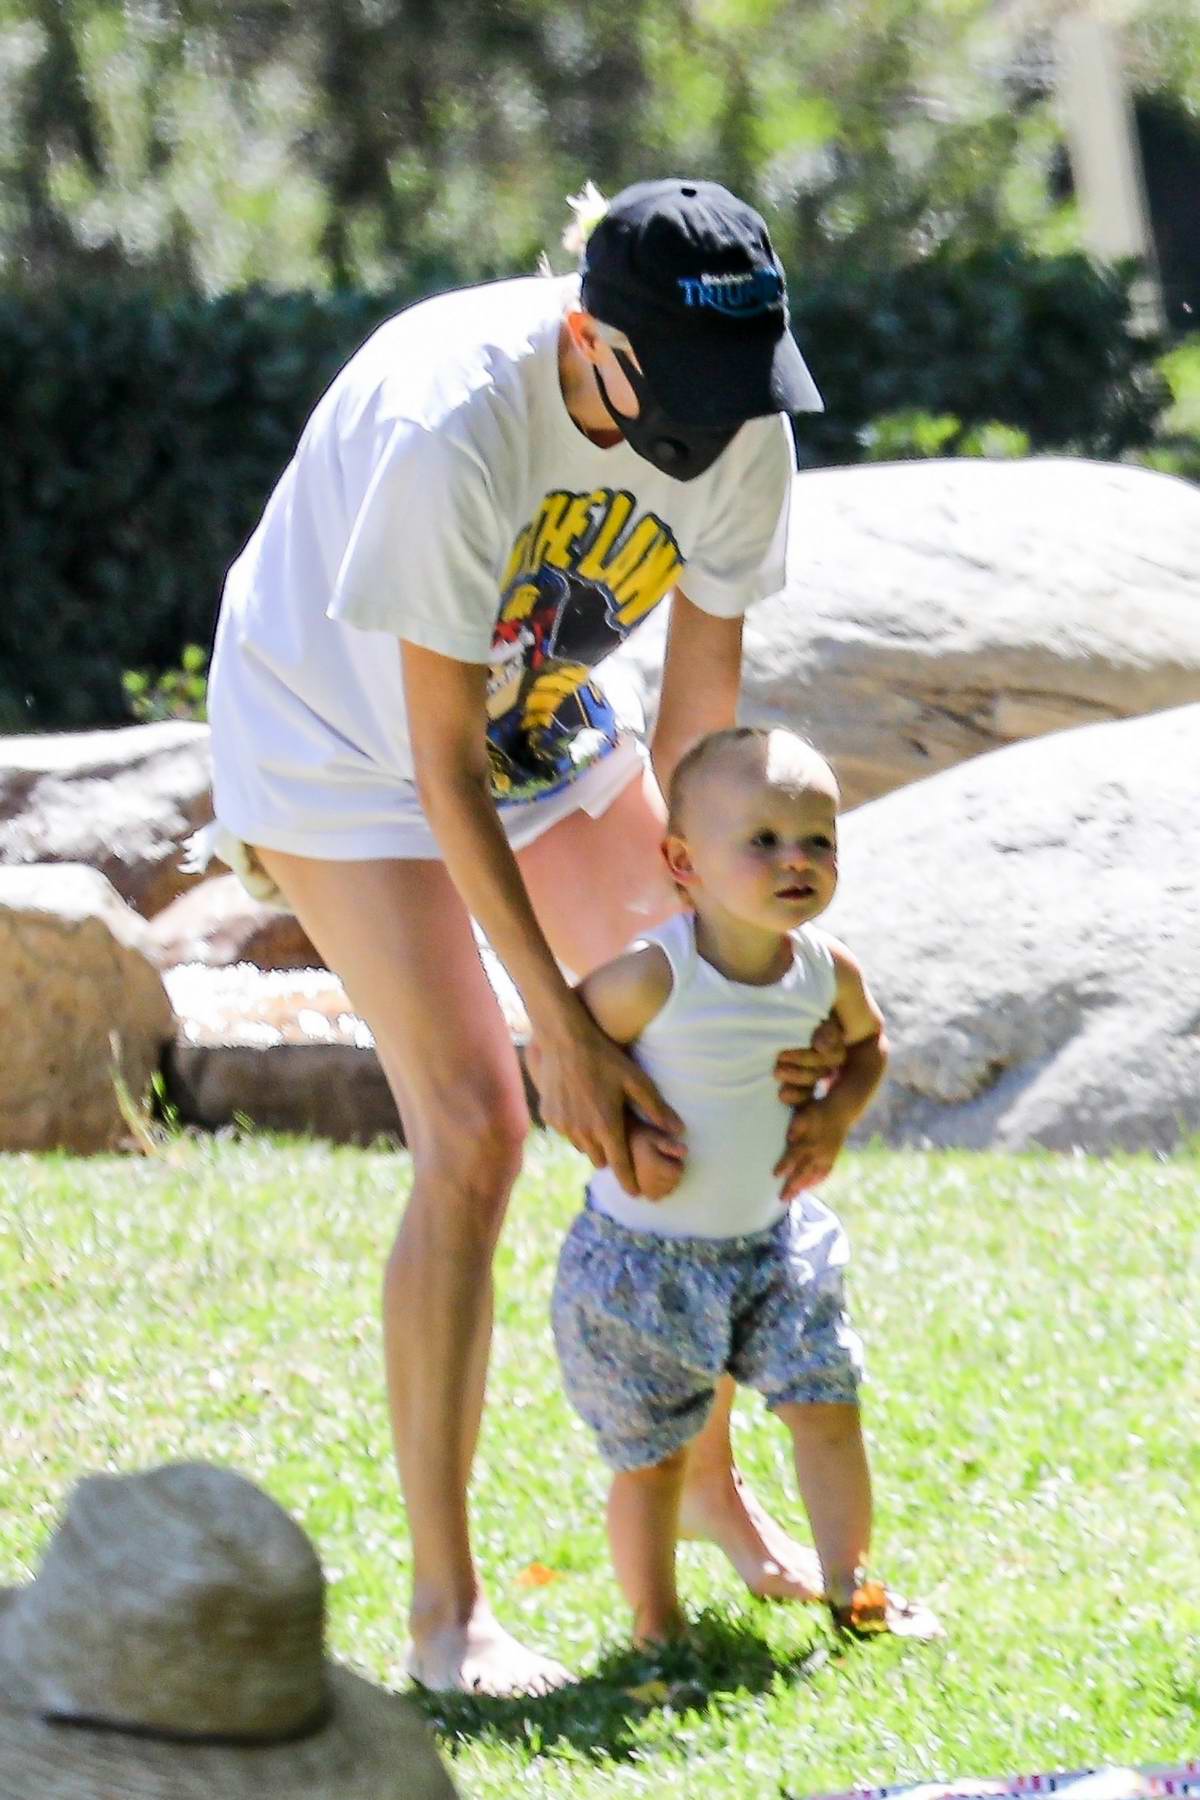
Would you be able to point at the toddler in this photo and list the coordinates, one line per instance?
(726, 1260)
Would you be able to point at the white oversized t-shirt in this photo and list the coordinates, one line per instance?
(441, 494)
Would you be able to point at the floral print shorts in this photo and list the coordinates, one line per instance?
(645, 1325)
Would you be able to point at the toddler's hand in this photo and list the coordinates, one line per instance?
(814, 1140)
(657, 1161)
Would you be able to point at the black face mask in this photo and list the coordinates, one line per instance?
(682, 451)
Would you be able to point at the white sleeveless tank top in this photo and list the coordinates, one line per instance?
(711, 1052)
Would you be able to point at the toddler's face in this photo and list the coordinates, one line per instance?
(760, 838)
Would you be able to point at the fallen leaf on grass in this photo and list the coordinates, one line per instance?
(536, 1575)
(681, 1696)
(649, 1693)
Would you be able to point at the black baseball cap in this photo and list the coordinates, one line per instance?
(686, 270)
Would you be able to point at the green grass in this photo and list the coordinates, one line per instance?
(1033, 1334)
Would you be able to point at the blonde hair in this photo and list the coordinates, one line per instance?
(588, 207)
(709, 749)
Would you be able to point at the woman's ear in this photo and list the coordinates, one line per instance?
(678, 859)
(581, 327)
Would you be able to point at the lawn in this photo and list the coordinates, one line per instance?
(1033, 1333)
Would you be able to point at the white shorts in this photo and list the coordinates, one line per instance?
(390, 822)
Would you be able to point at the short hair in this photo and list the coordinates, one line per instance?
(710, 748)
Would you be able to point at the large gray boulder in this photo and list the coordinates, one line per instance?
(1030, 923)
(937, 610)
(82, 1003)
(121, 801)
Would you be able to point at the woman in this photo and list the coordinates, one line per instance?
(406, 733)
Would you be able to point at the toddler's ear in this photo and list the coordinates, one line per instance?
(678, 859)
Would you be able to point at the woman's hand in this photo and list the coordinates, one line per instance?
(799, 1071)
(815, 1137)
(588, 1086)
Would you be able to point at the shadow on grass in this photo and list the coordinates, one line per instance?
(599, 1715)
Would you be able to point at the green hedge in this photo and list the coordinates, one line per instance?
(1044, 345)
(142, 436)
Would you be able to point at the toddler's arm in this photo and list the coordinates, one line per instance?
(623, 996)
(819, 1128)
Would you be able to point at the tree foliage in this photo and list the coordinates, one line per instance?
(206, 144)
(204, 206)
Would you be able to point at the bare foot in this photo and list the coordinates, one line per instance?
(654, 1630)
(480, 1657)
(723, 1511)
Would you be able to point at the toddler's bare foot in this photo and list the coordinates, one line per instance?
(721, 1509)
(480, 1657)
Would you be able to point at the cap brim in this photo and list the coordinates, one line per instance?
(375, 1747)
(723, 376)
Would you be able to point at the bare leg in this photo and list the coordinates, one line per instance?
(643, 1508)
(718, 1507)
(617, 860)
(399, 937)
(835, 1485)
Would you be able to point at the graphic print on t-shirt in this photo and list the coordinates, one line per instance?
(581, 574)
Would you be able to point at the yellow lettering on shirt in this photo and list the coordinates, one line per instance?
(640, 591)
(558, 539)
(612, 523)
(642, 570)
(586, 535)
